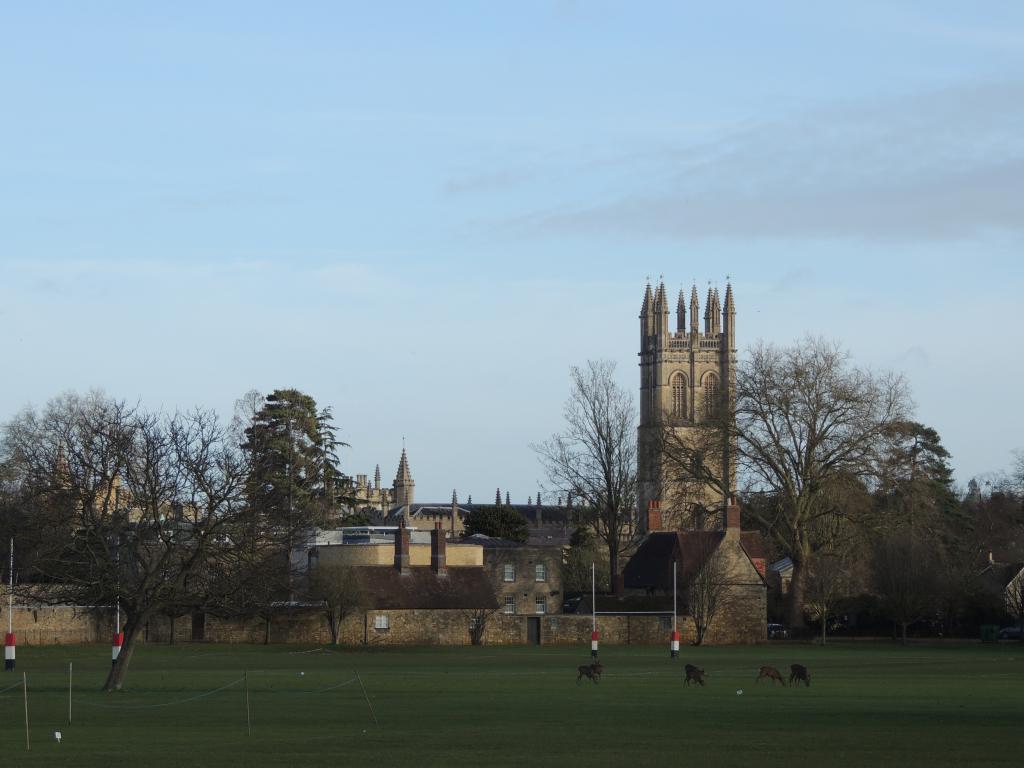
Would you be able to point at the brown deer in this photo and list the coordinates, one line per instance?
(800, 673)
(696, 674)
(771, 673)
(593, 671)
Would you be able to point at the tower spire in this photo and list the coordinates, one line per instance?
(694, 310)
(729, 318)
(681, 312)
(647, 315)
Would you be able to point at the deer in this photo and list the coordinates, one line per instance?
(696, 674)
(593, 671)
(800, 673)
(771, 673)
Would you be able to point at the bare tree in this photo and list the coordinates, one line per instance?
(478, 619)
(708, 592)
(1014, 598)
(904, 574)
(806, 424)
(341, 593)
(594, 458)
(831, 578)
(141, 510)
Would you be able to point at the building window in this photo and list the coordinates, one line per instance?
(710, 396)
(510, 572)
(678, 395)
(510, 603)
(540, 604)
(381, 623)
(540, 572)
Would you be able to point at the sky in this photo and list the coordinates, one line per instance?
(422, 214)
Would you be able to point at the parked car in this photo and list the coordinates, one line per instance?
(777, 632)
(1009, 633)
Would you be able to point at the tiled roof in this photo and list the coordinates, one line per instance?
(462, 588)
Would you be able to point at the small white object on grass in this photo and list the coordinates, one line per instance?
(301, 674)
(56, 735)
(739, 692)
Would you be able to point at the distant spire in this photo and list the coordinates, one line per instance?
(538, 498)
(694, 310)
(529, 501)
(469, 500)
(455, 497)
(508, 501)
(376, 478)
(404, 477)
(648, 300)
(708, 310)
(497, 497)
(681, 312)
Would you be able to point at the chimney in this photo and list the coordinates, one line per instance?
(402, 548)
(653, 516)
(438, 551)
(732, 517)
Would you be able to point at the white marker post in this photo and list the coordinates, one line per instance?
(118, 639)
(594, 636)
(674, 643)
(9, 640)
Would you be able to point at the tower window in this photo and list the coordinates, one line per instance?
(679, 395)
(710, 396)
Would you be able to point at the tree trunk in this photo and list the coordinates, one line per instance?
(172, 631)
(795, 597)
(824, 626)
(613, 565)
(266, 631)
(903, 631)
(119, 669)
(335, 625)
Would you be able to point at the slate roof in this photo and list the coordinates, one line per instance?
(421, 588)
(651, 567)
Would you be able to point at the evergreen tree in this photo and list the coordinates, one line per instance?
(497, 521)
(295, 478)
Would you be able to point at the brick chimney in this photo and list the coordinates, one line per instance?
(654, 516)
(732, 518)
(438, 551)
(402, 548)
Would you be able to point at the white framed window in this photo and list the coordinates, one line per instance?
(540, 572)
(381, 622)
(510, 572)
(540, 604)
(510, 603)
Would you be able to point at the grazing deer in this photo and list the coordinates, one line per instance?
(771, 673)
(799, 673)
(696, 674)
(593, 671)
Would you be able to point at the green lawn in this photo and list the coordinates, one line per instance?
(869, 704)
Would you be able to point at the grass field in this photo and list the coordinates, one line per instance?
(869, 704)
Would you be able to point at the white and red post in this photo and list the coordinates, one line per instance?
(594, 635)
(118, 640)
(9, 640)
(673, 646)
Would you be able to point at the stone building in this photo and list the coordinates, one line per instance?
(527, 579)
(686, 377)
(738, 560)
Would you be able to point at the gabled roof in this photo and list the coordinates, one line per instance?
(651, 566)
(421, 587)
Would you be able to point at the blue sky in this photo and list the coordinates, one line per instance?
(423, 213)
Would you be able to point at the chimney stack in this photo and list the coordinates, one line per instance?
(402, 548)
(732, 517)
(438, 551)
(654, 516)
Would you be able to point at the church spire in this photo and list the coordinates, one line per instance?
(729, 318)
(694, 311)
(681, 312)
(647, 314)
(661, 312)
(404, 485)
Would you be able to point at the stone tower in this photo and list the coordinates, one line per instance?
(402, 492)
(684, 376)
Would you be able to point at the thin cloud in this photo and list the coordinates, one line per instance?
(939, 166)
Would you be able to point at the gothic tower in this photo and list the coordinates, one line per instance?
(404, 485)
(685, 377)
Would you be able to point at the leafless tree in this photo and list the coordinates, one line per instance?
(905, 575)
(708, 592)
(341, 593)
(478, 619)
(808, 423)
(141, 510)
(1014, 598)
(832, 577)
(594, 458)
